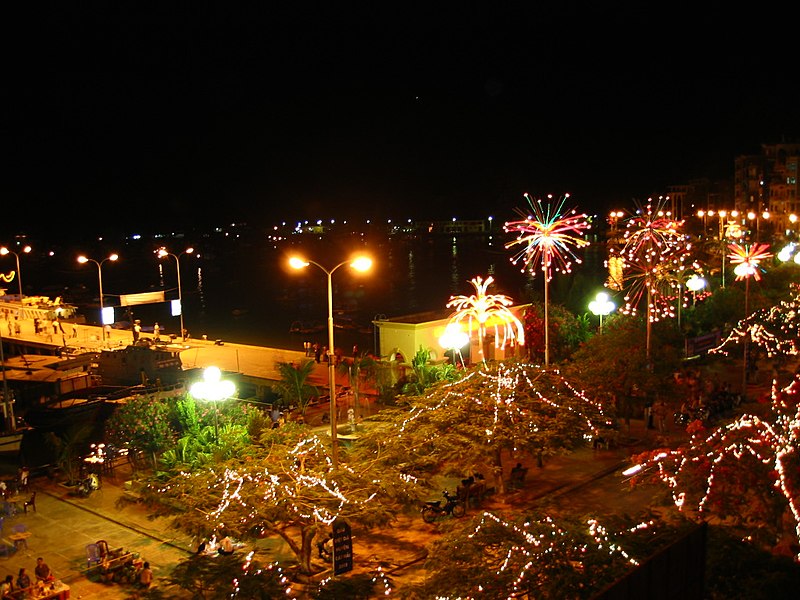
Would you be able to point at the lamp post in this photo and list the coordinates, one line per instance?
(83, 260)
(361, 263)
(454, 339)
(26, 250)
(601, 306)
(213, 389)
(162, 252)
(694, 284)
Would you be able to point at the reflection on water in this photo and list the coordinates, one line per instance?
(245, 292)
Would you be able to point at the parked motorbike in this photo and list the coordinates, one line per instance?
(89, 484)
(434, 509)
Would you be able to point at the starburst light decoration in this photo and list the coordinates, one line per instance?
(483, 310)
(747, 259)
(547, 234)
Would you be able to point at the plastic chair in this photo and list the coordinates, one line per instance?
(102, 548)
(30, 502)
(92, 555)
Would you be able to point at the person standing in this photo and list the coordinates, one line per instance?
(156, 332)
(137, 330)
(317, 352)
(145, 576)
(660, 411)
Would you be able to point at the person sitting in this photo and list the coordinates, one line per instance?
(42, 571)
(7, 588)
(225, 546)
(23, 579)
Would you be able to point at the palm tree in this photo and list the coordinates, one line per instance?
(482, 310)
(293, 387)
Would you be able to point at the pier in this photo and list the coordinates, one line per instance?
(255, 366)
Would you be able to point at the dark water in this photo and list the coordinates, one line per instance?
(243, 290)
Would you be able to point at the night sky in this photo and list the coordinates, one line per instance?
(122, 119)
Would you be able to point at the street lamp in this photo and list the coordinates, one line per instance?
(26, 250)
(694, 284)
(213, 389)
(601, 306)
(362, 264)
(83, 260)
(162, 252)
(454, 339)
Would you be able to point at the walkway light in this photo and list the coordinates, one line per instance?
(213, 389)
(601, 306)
(83, 260)
(26, 250)
(161, 253)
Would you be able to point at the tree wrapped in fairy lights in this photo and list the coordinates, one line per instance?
(745, 474)
(775, 330)
(654, 249)
(286, 487)
(547, 235)
(539, 556)
(481, 310)
(477, 423)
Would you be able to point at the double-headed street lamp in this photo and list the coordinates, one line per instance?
(361, 263)
(83, 260)
(26, 250)
(161, 253)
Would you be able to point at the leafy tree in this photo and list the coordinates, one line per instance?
(293, 387)
(142, 424)
(286, 488)
(611, 363)
(67, 447)
(474, 423)
(533, 557)
(567, 331)
(226, 577)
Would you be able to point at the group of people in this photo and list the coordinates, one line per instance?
(222, 546)
(10, 586)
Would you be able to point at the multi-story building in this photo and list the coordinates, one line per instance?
(767, 187)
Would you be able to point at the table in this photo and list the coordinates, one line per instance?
(20, 538)
(59, 592)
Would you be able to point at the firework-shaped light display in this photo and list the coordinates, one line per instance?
(747, 259)
(654, 249)
(483, 310)
(547, 235)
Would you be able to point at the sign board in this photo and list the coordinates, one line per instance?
(143, 298)
(175, 306)
(342, 547)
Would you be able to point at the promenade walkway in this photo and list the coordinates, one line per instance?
(255, 361)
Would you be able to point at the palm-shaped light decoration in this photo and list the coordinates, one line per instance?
(547, 233)
(747, 259)
(654, 248)
(483, 310)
